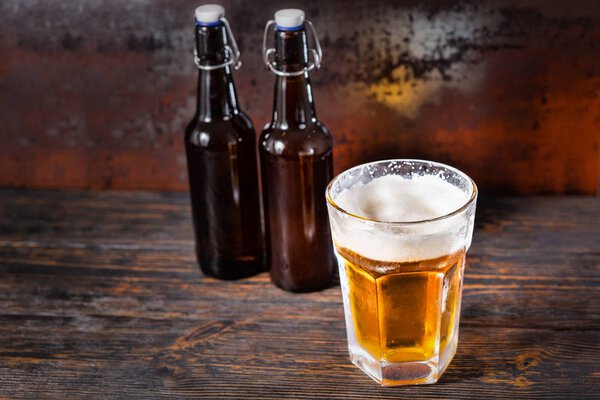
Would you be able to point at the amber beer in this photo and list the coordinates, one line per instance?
(401, 246)
(382, 304)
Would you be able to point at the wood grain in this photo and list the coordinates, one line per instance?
(100, 297)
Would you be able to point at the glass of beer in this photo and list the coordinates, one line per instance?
(401, 229)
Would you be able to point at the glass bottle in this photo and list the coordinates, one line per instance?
(296, 165)
(221, 155)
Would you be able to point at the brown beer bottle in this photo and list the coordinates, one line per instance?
(221, 156)
(296, 164)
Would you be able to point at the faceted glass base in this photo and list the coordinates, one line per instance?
(402, 326)
(403, 373)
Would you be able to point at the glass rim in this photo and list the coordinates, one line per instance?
(460, 209)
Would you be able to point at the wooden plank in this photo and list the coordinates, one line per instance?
(96, 286)
(132, 358)
(100, 297)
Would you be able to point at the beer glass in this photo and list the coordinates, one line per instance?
(401, 257)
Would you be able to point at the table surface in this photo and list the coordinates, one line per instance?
(100, 297)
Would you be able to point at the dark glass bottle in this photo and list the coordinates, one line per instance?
(221, 156)
(296, 166)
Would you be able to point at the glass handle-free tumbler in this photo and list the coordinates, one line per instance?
(401, 229)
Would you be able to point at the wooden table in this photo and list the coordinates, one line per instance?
(100, 297)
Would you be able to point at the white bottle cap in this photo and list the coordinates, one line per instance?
(209, 14)
(289, 18)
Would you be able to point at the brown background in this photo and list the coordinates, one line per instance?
(96, 94)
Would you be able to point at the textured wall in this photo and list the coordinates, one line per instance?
(95, 94)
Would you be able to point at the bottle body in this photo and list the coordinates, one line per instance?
(220, 143)
(225, 200)
(296, 166)
(296, 157)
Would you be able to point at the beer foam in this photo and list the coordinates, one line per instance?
(394, 198)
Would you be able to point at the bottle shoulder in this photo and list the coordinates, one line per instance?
(312, 138)
(220, 130)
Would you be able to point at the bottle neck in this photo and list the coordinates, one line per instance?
(293, 101)
(217, 97)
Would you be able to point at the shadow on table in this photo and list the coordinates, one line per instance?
(463, 367)
(492, 211)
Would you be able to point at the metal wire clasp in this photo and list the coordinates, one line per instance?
(317, 53)
(232, 52)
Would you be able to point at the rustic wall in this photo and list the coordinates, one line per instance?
(95, 94)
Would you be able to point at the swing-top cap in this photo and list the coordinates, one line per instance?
(289, 19)
(209, 14)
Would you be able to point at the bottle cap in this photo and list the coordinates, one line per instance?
(289, 19)
(209, 14)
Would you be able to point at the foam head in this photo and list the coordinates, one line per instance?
(396, 217)
(393, 198)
